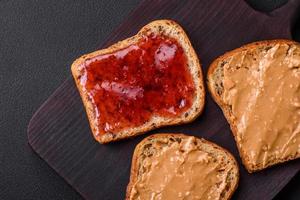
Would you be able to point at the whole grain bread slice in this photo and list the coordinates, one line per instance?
(148, 147)
(170, 29)
(215, 78)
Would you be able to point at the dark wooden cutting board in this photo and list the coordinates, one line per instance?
(59, 130)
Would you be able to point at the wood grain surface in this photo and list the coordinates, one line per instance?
(60, 134)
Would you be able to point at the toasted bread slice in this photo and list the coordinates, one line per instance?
(257, 87)
(170, 29)
(177, 166)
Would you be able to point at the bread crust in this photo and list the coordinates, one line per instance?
(138, 149)
(210, 82)
(171, 29)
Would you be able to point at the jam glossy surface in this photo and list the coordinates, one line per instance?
(129, 86)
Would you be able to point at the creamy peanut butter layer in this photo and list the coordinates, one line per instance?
(180, 171)
(262, 87)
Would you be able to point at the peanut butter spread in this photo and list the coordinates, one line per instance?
(262, 88)
(179, 170)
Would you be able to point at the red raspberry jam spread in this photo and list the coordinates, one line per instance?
(129, 86)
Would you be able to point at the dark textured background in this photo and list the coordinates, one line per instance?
(38, 42)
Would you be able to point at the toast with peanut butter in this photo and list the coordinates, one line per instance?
(150, 80)
(258, 88)
(177, 166)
